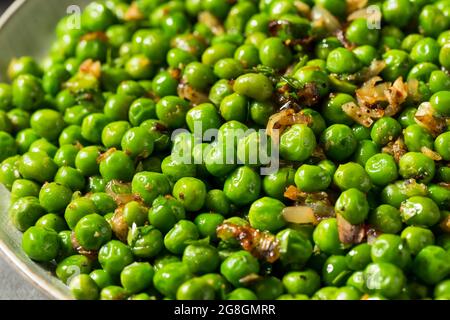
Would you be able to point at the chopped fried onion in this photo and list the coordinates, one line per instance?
(322, 17)
(430, 153)
(319, 202)
(373, 95)
(118, 224)
(279, 121)
(91, 254)
(340, 35)
(299, 215)
(121, 192)
(95, 36)
(196, 97)
(445, 224)
(212, 22)
(349, 233)
(354, 5)
(302, 8)
(375, 68)
(396, 95)
(133, 13)
(361, 114)
(250, 279)
(262, 245)
(396, 148)
(91, 67)
(427, 118)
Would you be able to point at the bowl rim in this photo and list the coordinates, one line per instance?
(11, 258)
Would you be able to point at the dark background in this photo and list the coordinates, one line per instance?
(4, 4)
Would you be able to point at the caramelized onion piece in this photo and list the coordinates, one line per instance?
(118, 225)
(358, 114)
(279, 121)
(95, 36)
(354, 5)
(433, 155)
(133, 13)
(321, 17)
(91, 67)
(396, 148)
(349, 233)
(121, 192)
(319, 202)
(427, 118)
(299, 215)
(212, 22)
(196, 97)
(262, 245)
(396, 95)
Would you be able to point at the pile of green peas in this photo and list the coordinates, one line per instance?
(98, 113)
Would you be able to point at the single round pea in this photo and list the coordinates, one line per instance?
(390, 248)
(382, 169)
(238, 265)
(418, 166)
(191, 192)
(37, 166)
(40, 244)
(352, 175)
(177, 239)
(339, 142)
(386, 218)
(311, 178)
(254, 85)
(101, 278)
(137, 277)
(359, 257)
(242, 186)
(417, 238)
(25, 212)
(301, 282)
(54, 197)
(431, 264)
(117, 166)
(201, 258)
(72, 266)
(421, 211)
(295, 248)
(150, 185)
(170, 277)
(195, 289)
(83, 287)
(265, 214)
(92, 231)
(353, 206)
(242, 294)
(217, 201)
(297, 143)
(145, 242)
(114, 256)
(440, 102)
(342, 60)
(384, 278)
(326, 236)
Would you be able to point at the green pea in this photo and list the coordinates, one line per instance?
(72, 266)
(137, 277)
(431, 264)
(352, 175)
(418, 166)
(384, 278)
(238, 265)
(37, 166)
(77, 209)
(417, 238)
(195, 289)
(313, 75)
(358, 33)
(382, 169)
(339, 142)
(439, 81)
(217, 201)
(398, 64)
(341, 60)
(297, 143)
(170, 277)
(391, 248)
(54, 197)
(242, 186)
(326, 237)
(295, 248)
(387, 219)
(311, 178)
(420, 211)
(177, 239)
(150, 185)
(40, 244)
(201, 258)
(358, 257)
(275, 184)
(27, 92)
(254, 85)
(83, 287)
(432, 21)
(101, 278)
(439, 101)
(242, 294)
(199, 76)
